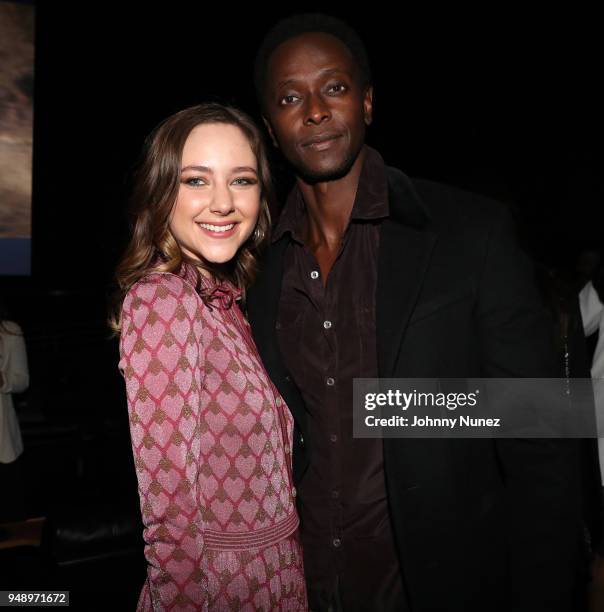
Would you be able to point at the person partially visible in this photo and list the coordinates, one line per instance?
(211, 435)
(14, 378)
(592, 313)
(559, 285)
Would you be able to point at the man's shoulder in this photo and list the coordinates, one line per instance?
(447, 206)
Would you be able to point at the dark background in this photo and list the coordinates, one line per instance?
(499, 102)
(502, 103)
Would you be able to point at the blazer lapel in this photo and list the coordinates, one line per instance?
(406, 244)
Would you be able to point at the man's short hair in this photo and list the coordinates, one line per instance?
(301, 24)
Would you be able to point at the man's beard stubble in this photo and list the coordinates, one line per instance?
(311, 177)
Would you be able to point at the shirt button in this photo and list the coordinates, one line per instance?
(335, 494)
(267, 446)
(333, 438)
(278, 401)
(330, 382)
(287, 449)
(327, 324)
(278, 325)
(336, 542)
(314, 275)
(294, 492)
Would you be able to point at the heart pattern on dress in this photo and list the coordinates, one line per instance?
(208, 441)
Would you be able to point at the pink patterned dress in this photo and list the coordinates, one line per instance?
(212, 440)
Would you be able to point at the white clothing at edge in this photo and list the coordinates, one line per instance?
(15, 378)
(592, 313)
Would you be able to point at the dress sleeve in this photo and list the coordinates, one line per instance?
(15, 375)
(159, 349)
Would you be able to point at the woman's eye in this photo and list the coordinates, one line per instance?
(244, 180)
(194, 181)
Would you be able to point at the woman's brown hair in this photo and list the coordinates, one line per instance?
(152, 247)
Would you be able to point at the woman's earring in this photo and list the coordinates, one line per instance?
(257, 235)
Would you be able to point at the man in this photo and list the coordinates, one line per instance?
(372, 274)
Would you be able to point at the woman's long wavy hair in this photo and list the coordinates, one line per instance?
(152, 247)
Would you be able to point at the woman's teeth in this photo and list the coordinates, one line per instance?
(217, 228)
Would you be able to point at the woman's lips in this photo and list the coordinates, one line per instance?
(223, 230)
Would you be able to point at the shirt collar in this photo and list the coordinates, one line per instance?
(370, 202)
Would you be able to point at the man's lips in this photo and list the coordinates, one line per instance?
(321, 139)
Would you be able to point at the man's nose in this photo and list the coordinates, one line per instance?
(317, 110)
(222, 201)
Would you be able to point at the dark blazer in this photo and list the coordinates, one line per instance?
(489, 525)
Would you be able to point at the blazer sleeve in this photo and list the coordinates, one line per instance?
(541, 476)
(159, 349)
(15, 374)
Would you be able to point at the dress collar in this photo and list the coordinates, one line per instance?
(220, 293)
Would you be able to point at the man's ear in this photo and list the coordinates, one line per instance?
(270, 131)
(368, 105)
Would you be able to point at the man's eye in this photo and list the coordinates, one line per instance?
(289, 99)
(243, 180)
(336, 88)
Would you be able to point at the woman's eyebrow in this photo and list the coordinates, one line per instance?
(245, 169)
(199, 168)
(209, 170)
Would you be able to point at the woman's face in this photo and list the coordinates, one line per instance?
(218, 199)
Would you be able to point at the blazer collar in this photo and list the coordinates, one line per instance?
(406, 207)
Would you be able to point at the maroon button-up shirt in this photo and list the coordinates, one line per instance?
(327, 335)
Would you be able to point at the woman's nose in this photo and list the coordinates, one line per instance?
(222, 201)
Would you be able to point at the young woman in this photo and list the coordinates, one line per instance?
(210, 433)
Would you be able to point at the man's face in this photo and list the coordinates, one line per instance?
(316, 109)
